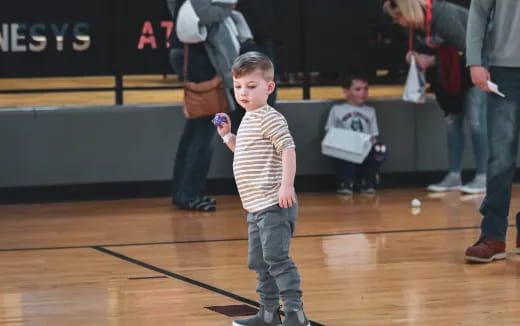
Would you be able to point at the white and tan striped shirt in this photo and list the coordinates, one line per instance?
(257, 165)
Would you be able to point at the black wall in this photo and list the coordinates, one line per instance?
(326, 35)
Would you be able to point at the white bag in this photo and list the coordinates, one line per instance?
(415, 87)
(188, 28)
(346, 145)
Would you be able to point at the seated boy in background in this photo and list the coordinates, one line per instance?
(354, 115)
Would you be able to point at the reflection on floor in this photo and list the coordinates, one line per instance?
(364, 260)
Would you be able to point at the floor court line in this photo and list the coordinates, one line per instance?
(245, 239)
(183, 278)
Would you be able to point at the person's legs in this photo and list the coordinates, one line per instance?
(196, 149)
(276, 227)
(476, 116)
(346, 172)
(503, 126)
(503, 122)
(455, 141)
(180, 158)
(266, 286)
(177, 62)
(370, 167)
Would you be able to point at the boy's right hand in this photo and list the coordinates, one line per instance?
(224, 128)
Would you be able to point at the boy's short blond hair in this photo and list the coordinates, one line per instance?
(251, 61)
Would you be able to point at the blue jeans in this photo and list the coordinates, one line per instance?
(269, 238)
(193, 159)
(503, 127)
(475, 112)
(176, 57)
(346, 170)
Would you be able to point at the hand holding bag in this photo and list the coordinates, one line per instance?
(415, 87)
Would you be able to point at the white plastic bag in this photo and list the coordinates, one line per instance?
(346, 145)
(415, 87)
(188, 28)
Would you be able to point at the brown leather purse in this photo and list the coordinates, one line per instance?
(205, 98)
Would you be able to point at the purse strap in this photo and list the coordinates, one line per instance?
(186, 55)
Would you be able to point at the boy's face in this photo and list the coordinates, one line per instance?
(357, 94)
(252, 90)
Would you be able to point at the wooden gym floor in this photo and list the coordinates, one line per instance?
(364, 260)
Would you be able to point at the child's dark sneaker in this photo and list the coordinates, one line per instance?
(367, 186)
(485, 250)
(210, 200)
(262, 318)
(296, 318)
(345, 187)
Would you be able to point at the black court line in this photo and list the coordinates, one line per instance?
(458, 228)
(183, 278)
(146, 278)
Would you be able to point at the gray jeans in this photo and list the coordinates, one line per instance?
(269, 232)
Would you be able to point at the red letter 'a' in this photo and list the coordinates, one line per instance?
(147, 36)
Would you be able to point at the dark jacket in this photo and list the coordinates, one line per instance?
(448, 28)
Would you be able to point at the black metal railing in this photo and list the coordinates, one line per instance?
(310, 24)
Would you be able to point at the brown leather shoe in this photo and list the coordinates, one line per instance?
(486, 250)
(518, 233)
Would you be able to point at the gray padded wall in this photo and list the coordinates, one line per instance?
(80, 145)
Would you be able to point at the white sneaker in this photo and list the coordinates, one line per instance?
(476, 186)
(451, 182)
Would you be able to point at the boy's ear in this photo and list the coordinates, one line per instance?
(270, 87)
(345, 90)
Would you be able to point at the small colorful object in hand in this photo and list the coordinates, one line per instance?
(218, 120)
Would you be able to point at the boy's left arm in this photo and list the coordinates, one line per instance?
(286, 194)
(274, 127)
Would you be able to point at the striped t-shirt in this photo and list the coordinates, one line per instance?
(257, 165)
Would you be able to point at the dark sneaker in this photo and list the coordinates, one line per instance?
(198, 204)
(262, 318)
(208, 199)
(486, 250)
(296, 318)
(345, 187)
(367, 186)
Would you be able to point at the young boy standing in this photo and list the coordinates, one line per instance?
(355, 115)
(264, 166)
